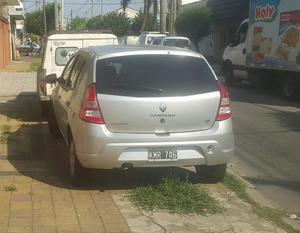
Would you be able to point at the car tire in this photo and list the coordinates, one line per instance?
(211, 174)
(52, 124)
(228, 74)
(290, 89)
(75, 169)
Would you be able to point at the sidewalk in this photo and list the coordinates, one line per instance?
(36, 197)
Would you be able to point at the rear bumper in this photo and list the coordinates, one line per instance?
(96, 147)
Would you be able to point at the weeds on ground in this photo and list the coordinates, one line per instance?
(10, 188)
(5, 133)
(175, 196)
(34, 67)
(267, 213)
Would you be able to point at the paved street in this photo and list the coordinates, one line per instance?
(267, 132)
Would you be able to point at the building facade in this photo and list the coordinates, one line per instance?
(10, 12)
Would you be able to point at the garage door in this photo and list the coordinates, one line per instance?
(4, 43)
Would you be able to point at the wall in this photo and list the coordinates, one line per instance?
(4, 43)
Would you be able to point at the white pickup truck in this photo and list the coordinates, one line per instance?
(60, 47)
(266, 47)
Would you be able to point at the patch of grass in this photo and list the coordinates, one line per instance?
(10, 188)
(34, 66)
(5, 133)
(175, 196)
(267, 213)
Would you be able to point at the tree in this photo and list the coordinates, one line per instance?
(195, 23)
(124, 4)
(151, 23)
(34, 21)
(77, 24)
(119, 24)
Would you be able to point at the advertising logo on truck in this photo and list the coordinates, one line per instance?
(264, 10)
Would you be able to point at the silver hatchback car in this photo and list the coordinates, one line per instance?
(128, 107)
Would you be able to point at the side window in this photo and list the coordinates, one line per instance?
(241, 33)
(76, 72)
(68, 69)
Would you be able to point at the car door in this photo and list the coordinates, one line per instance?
(68, 90)
(60, 92)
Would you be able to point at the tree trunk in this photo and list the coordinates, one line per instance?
(146, 3)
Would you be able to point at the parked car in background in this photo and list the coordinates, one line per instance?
(29, 47)
(128, 40)
(174, 41)
(147, 37)
(60, 47)
(130, 107)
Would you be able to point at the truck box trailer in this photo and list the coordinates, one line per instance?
(266, 48)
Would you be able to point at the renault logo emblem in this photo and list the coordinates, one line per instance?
(163, 107)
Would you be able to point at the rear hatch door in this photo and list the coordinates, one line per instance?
(156, 93)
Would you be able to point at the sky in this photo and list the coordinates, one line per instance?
(83, 8)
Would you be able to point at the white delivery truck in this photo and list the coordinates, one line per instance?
(59, 48)
(266, 48)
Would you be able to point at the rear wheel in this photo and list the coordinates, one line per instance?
(52, 124)
(228, 73)
(76, 171)
(211, 174)
(290, 89)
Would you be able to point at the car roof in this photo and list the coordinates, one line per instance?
(140, 49)
(66, 36)
(177, 37)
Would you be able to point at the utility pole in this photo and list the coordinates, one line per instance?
(56, 14)
(71, 15)
(101, 9)
(36, 5)
(45, 18)
(92, 9)
(61, 15)
(174, 17)
(163, 16)
(171, 13)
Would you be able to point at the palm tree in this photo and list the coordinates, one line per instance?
(148, 4)
(124, 4)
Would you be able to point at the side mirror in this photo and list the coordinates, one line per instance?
(51, 78)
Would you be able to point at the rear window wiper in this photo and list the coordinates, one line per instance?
(134, 87)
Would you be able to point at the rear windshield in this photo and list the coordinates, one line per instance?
(154, 76)
(182, 43)
(63, 55)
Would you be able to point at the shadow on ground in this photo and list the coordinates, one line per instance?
(34, 153)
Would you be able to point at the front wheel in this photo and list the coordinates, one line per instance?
(211, 174)
(75, 169)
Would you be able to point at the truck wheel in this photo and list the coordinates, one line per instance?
(76, 171)
(228, 73)
(211, 174)
(52, 124)
(290, 89)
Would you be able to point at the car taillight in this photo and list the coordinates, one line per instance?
(224, 109)
(90, 110)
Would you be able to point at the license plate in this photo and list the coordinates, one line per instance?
(162, 154)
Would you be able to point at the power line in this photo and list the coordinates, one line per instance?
(98, 4)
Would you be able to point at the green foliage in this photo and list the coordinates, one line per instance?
(195, 23)
(175, 196)
(267, 213)
(77, 24)
(119, 24)
(34, 21)
(151, 23)
(10, 188)
(124, 3)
